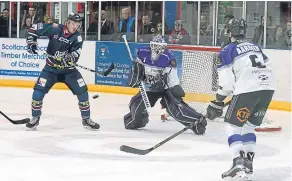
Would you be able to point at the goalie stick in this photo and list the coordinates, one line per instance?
(129, 149)
(21, 121)
(142, 85)
(105, 73)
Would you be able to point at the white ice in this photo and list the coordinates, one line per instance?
(61, 150)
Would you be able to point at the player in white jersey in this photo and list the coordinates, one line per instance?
(243, 70)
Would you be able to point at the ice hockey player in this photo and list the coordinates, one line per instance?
(243, 70)
(64, 49)
(156, 66)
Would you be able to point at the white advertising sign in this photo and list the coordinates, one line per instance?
(16, 61)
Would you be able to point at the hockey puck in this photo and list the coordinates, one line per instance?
(95, 96)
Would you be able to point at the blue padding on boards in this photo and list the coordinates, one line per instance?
(250, 137)
(234, 138)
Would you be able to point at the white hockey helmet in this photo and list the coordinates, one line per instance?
(158, 46)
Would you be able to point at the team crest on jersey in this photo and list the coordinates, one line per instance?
(218, 61)
(243, 114)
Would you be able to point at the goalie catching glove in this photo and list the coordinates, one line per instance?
(215, 109)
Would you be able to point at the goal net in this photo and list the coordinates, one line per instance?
(199, 79)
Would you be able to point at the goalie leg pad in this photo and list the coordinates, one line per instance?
(138, 116)
(184, 114)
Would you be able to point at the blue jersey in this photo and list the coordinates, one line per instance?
(155, 69)
(242, 68)
(60, 43)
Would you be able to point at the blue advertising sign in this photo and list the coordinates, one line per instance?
(116, 52)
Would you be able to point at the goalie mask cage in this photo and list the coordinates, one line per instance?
(199, 79)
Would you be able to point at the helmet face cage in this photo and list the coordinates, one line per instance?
(237, 27)
(158, 46)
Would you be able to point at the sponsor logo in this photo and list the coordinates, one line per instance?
(103, 51)
(81, 82)
(243, 114)
(263, 77)
(42, 82)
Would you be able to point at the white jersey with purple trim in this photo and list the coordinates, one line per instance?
(243, 68)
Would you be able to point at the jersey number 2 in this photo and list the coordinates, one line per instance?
(256, 62)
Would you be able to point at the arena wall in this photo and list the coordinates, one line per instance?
(21, 69)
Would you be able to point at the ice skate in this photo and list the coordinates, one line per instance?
(248, 163)
(32, 124)
(238, 170)
(89, 124)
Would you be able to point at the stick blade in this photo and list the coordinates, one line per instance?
(21, 121)
(132, 150)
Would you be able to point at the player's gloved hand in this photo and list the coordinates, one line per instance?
(68, 60)
(31, 45)
(215, 110)
(200, 127)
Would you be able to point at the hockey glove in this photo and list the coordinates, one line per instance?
(200, 127)
(215, 110)
(68, 60)
(31, 45)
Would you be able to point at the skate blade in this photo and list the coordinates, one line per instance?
(90, 128)
(240, 176)
(31, 129)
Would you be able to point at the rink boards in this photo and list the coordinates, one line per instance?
(20, 69)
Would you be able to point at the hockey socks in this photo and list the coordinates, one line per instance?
(84, 105)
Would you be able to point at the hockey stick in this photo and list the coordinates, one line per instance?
(129, 149)
(21, 121)
(142, 85)
(105, 73)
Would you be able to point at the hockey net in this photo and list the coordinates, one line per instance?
(199, 79)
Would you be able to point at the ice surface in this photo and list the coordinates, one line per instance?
(61, 150)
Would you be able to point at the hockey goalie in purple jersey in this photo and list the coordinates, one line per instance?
(243, 70)
(156, 66)
(64, 49)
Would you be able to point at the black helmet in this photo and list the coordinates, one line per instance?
(74, 17)
(237, 27)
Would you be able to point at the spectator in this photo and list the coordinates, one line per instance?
(158, 30)
(147, 30)
(288, 34)
(258, 36)
(49, 20)
(126, 25)
(205, 27)
(32, 15)
(4, 24)
(107, 27)
(223, 37)
(25, 28)
(179, 35)
(206, 31)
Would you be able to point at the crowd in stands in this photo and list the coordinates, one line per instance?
(112, 30)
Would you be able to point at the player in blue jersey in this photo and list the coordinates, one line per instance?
(243, 70)
(156, 66)
(64, 49)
